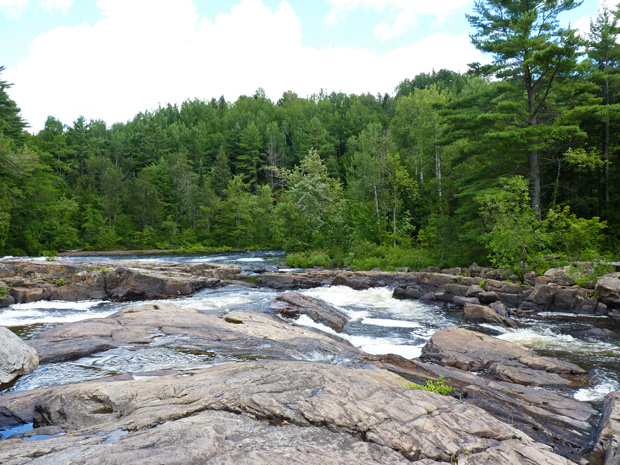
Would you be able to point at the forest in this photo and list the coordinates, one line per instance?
(514, 163)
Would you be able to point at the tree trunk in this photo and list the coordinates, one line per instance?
(534, 167)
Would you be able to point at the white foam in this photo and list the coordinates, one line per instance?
(34, 317)
(376, 300)
(550, 340)
(596, 393)
(59, 305)
(255, 259)
(371, 345)
(569, 315)
(390, 323)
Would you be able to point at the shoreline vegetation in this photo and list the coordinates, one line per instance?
(504, 165)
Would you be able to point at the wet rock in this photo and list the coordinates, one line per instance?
(560, 276)
(587, 306)
(142, 325)
(483, 314)
(488, 297)
(568, 300)
(502, 360)
(294, 305)
(474, 290)
(265, 412)
(24, 295)
(608, 289)
(6, 300)
(16, 357)
(597, 333)
(277, 281)
(608, 438)
(465, 301)
(543, 295)
(499, 308)
(408, 293)
(458, 290)
(359, 283)
(128, 284)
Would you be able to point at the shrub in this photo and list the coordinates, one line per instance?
(3, 291)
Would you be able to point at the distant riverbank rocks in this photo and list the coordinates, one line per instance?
(553, 292)
(26, 281)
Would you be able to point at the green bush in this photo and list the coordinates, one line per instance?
(308, 259)
(3, 291)
(60, 282)
(439, 386)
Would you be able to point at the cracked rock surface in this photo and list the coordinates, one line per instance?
(266, 412)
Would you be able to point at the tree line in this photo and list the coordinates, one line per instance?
(507, 163)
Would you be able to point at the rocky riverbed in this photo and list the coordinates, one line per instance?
(289, 393)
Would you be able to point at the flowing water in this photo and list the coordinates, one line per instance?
(378, 325)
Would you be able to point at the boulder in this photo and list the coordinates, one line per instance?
(568, 299)
(24, 295)
(266, 412)
(354, 282)
(488, 297)
(410, 292)
(6, 300)
(543, 295)
(597, 333)
(483, 314)
(499, 308)
(502, 360)
(560, 276)
(465, 301)
(457, 290)
(16, 357)
(474, 290)
(293, 305)
(608, 289)
(124, 284)
(608, 438)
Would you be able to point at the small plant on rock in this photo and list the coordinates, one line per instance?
(439, 386)
(60, 282)
(3, 291)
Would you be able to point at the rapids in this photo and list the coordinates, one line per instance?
(378, 325)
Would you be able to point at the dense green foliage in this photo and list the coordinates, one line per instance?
(505, 164)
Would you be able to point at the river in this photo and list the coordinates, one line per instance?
(378, 325)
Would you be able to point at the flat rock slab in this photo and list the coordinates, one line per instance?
(502, 360)
(259, 412)
(547, 417)
(293, 305)
(141, 325)
(16, 357)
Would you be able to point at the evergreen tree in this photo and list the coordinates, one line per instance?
(531, 54)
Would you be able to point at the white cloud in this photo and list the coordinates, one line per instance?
(145, 53)
(57, 5)
(582, 25)
(402, 15)
(13, 9)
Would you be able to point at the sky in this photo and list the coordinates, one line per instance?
(111, 59)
